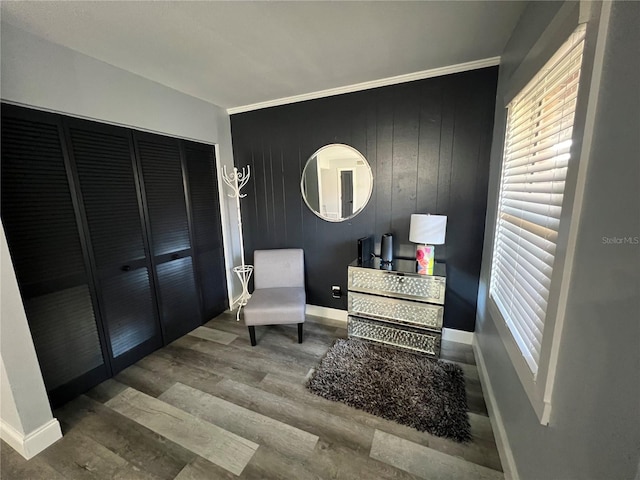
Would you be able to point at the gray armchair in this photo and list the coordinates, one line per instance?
(279, 296)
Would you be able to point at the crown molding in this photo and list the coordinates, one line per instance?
(383, 82)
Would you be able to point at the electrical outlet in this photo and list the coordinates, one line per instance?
(336, 291)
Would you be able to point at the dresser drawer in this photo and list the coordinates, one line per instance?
(404, 338)
(422, 288)
(422, 315)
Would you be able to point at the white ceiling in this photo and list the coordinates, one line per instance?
(238, 53)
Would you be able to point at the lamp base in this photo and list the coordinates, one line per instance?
(424, 257)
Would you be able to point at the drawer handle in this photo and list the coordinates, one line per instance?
(175, 256)
(126, 268)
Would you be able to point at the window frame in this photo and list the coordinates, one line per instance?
(539, 387)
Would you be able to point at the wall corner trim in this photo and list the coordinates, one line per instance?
(326, 312)
(502, 442)
(33, 443)
(382, 82)
(458, 336)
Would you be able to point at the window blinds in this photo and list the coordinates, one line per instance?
(535, 161)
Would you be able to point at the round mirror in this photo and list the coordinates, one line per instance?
(336, 182)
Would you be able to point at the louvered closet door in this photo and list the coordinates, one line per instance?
(207, 227)
(105, 165)
(42, 229)
(162, 180)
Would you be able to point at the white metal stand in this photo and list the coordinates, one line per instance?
(237, 180)
(244, 274)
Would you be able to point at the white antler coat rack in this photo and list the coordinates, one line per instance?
(237, 180)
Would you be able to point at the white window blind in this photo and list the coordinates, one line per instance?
(536, 156)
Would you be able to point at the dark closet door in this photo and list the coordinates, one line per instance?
(207, 227)
(105, 164)
(164, 192)
(44, 232)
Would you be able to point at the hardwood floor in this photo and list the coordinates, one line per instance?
(210, 406)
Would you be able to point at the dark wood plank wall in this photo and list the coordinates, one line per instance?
(428, 145)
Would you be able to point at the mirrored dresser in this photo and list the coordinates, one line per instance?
(394, 305)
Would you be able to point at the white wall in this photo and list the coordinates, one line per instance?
(594, 430)
(8, 409)
(47, 76)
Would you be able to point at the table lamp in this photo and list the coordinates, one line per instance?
(427, 230)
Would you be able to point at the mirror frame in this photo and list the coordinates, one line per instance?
(366, 202)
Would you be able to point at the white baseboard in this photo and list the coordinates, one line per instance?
(502, 442)
(459, 336)
(30, 445)
(332, 313)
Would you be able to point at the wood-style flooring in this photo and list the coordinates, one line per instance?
(210, 406)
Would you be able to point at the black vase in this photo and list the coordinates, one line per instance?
(386, 248)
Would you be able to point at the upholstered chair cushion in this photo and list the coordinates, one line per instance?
(279, 296)
(275, 306)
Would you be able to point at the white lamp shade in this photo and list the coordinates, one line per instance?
(428, 229)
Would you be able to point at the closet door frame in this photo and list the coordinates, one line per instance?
(85, 242)
(130, 357)
(64, 125)
(149, 231)
(81, 384)
(208, 148)
(192, 239)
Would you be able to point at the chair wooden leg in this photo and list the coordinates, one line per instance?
(300, 332)
(252, 335)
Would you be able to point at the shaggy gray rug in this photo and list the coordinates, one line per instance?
(411, 389)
